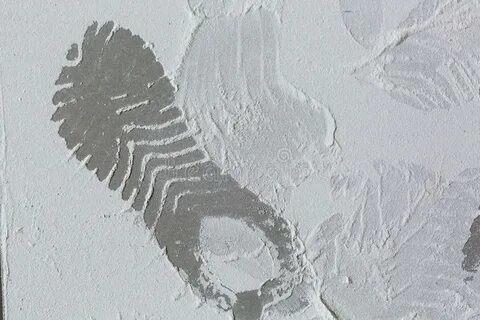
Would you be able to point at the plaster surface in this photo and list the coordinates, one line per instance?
(240, 159)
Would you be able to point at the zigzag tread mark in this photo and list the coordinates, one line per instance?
(118, 112)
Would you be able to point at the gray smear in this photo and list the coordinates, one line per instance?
(471, 249)
(249, 306)
(117, 115)
(363, 19)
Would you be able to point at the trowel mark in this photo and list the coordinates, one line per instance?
(118, 116)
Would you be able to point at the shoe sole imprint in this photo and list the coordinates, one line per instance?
(117, 114)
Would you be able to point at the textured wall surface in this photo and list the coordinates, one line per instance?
(240, 159)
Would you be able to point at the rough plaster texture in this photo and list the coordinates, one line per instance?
(240, 159)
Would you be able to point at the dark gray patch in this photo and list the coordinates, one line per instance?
(72, 53)
(471, 249)
(207, 192)
(116, 87)
(117, 115)
(248, 306)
